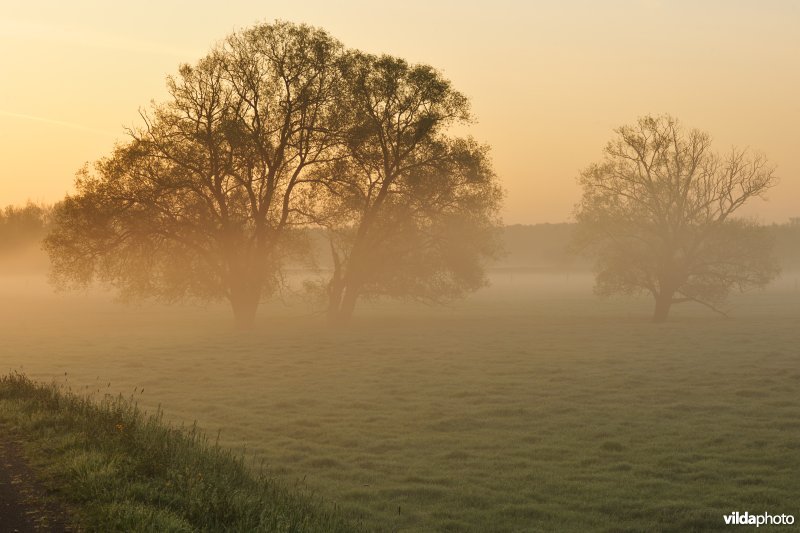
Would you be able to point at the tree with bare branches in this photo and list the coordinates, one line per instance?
(660, 213)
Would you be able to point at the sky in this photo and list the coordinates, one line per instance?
(548, 81)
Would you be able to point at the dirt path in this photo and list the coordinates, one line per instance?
(23, 505)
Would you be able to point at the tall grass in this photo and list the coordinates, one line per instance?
(122, 469)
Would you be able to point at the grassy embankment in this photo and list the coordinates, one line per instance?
(120, 469)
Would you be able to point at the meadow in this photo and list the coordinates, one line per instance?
(531, 406)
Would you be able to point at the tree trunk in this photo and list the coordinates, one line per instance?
(348, 305)
(343, 290)
(335, 294)
(342, 305)
(244, 301)
(663, 304)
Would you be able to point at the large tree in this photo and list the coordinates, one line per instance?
(276, 130)
(202, 201)
(412, 210)
(659, 212)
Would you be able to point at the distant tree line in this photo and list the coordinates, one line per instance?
(547, 247)
(23, 226)
(550, 247)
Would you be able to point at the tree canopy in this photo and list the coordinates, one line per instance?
(280, 128)
(660, 213)
(411, 210)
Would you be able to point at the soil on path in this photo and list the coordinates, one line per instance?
(24, 504)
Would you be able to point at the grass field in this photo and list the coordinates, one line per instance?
(532, 406)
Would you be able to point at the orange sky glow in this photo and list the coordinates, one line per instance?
(548, 81)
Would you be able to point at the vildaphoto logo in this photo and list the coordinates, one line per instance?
(765, 519)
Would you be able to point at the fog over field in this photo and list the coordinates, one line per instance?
(530, 405)
(425, 267)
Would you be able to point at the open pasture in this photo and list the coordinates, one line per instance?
(532, 406)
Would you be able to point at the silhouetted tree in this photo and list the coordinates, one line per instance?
(202, 201)
(411, 211)
(277, 129)
(658, 212)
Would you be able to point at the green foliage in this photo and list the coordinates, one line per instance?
(280, 128)
(202, 201)
(412, 210)
(124, 470)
